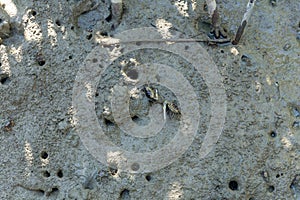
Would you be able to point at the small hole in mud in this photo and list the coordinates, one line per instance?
(273, 134)
(148, 177)
(46, 174)
(55, 189)
(271, 188)
(244, 58)
(33, 13)
(97, 94)
(57, 22)
(233, 185)
(5, 80)
(41, 62)
(277, 176)
(1, 20)
(135, 118)
(44, 155)
(93, 4)
(60, 173)
(113, 171)
(133, 74)
(70, 57)
(296, 124)
(222, 51)
(205, 7)
(72, 27)
(89, 36)
(124, 194)
(108, 19)
(104, 33)
(41, 191)
(108, 122)
(95, 60)
(135, 166)
(295, 182)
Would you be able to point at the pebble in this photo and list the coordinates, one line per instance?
(287, 46)
(296, 112)
(62, 125)
(246, 59)
(296, 124)
(273, 2)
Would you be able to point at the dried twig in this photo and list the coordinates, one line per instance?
(244, 22)
(108, 42)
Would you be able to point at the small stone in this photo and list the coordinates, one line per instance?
(287, 46)
(246, 59)
(298, 36)
(273, 2)
(234, 51)
(62, 125)
(296, 112)
(296, 124)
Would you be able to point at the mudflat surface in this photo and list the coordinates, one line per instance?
(53, 50)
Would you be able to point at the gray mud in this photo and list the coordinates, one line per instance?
(44, 43)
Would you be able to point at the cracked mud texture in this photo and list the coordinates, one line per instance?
(42, 157)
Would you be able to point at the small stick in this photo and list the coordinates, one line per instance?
(108, 42)
(244, 22)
